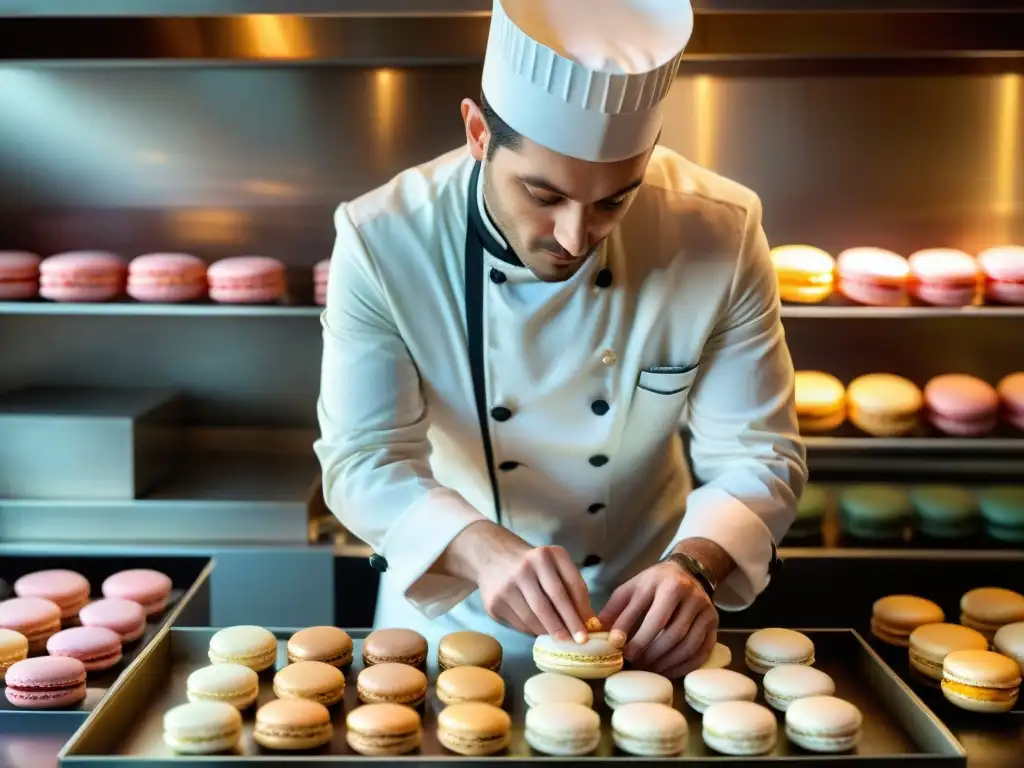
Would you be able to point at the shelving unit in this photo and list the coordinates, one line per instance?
(137, 309)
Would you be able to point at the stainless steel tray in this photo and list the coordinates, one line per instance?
(126, 730)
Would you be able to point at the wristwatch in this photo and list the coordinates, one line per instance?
(696, 569)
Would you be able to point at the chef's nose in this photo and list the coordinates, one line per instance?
(571, 229)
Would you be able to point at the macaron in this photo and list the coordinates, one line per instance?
(894, 617)
(884, 405)
(649, 729)
(787, 683)
(68, 589)
(820, 402)
(202, 728)
(13, 648)
(1009, 641)
(767, 648)
(810, 513)
(392, 683)
(460, 685)
(253, 646)
(46, 682)
(166, 277)
(292, 724)
(1003, 270)
(704, 687)
(805, 273)
(873, 276)
(327, 644)
(126, 617)
(36, 618)
(719, 658)
(740, 728)
(313, 680)
(1002, 508)
(82, 276)
(381, 730)
(395, 646)
(980, 681)
(550, 688)
(634, 686)
(321, 274)
(930, 644)
(595, 659)
(563, 729)
(469, 649)
(961, 405)
(824, 724)
(875, 511)
(234, 684)
(1011, 399)
(944, 277)
(474, 729)
(149, 588)
(246, 280)
(945, 511)
(988, 609)
(98, 648)
(19, 275)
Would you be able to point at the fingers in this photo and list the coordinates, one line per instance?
(624, 611)
(695, 648)
(674, 632)
(542, 607)
(517, 607)
(578, 594)
(666, 599)
(616, 604)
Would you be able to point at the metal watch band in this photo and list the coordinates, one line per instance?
(695, 569)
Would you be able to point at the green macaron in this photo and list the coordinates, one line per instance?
(875, 512)
(1002, 507)
(809, 513)
(945, 511)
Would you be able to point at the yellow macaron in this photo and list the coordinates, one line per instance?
(981, 681)
(820, 402)
(884, 405)
(805, 273)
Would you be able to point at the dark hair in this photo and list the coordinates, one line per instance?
(502, 135)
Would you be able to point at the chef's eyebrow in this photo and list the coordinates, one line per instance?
(541, 183)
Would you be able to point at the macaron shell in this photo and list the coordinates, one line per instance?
(34, 617)
(563, 730)
(824, 724)
(399, 646)
(469, 649)
(704, 687)
(246, 279)
(649, 730)
(989, 608)
(470, 684)
(45, 682)
(961, 404)
(1011, 396)
(1003, 267)
(474, 729)
(234, 684)
(68, 589)
(247, 644)
(894, 617)
(788, 683)
(634, 686)
(931, 643)
(773, 646)
(739, 728)
(391, 683)
(1009, 641)
(13, 648)
(327, 644)
(863, 291)
(383, 729)
(593, 660)
(125, 617)
(874, 265)
(292, 724)
(721, 657)
(551, 688)
(19, 275)
(98, 648)
(884, 404)
(981, 681)
(170, 277)
(84, 276)
(149, 588)
(313, 680)
(202, 728)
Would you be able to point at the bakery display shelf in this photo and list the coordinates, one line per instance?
(917, 444)
(830, 311)
(189, 605)
(137, 309)
(126, 730)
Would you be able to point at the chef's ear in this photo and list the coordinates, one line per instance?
(477, 134)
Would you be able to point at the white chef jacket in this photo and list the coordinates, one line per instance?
(456, 386)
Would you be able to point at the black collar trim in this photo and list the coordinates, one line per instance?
(496, 249)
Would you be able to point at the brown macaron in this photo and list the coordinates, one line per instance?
(988, 609)
(469, 649)
(292, 724)
(379, 730)
(327, 644)
(460, 685)
(395, 646)
(313, 680)
(893, 618)
(474, 729)
(930, 644)
(392, 684)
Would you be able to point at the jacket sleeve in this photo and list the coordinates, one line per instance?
(745, 445)
(373, 446)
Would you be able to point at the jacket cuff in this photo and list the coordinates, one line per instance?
(714, 515)
(415, 541)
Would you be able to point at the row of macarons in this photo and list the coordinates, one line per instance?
(878, 277)
(887, 405)
(978, 662)
(877, 511)
(97, 276)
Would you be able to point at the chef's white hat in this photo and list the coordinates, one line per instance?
(585, 78)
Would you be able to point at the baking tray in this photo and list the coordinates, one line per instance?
(189, 604)
(126, 730)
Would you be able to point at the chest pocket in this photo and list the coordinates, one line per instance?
(667, 380)
(659, 402)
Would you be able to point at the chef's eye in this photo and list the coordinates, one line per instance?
(611, 205)
(543, 201)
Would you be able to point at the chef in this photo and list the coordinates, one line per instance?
(513, 335)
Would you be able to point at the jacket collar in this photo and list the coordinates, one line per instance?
(481, 221)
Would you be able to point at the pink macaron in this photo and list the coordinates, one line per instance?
(873, 276)
(1003, 268)
(167, 277)
(98, 648)
(944, 277)
(34, 617)
(82, 276)
(321, 272)
(150, 589)
(46, 682)
(246, 280)
(1011, 399)
(125, 617)
(68, 589)
(19, 275)
(961, 405)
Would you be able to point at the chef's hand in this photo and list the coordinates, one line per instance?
(678, 622)
(536, 590)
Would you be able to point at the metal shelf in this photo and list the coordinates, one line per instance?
(834, 312)
(137, 309)
(999, 445)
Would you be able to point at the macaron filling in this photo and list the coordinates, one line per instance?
(475, 741)
(839, 740)
(748, 743)
(293, 731)
(385, 741)
(980, 693)
(337, 660)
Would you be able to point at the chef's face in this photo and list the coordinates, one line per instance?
(554, 210)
